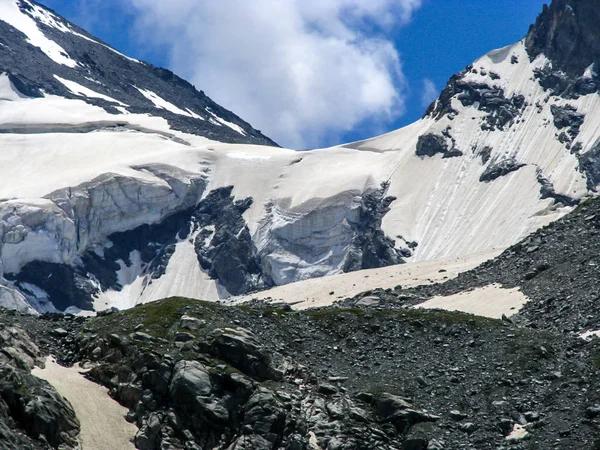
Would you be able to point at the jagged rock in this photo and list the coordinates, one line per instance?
(230, 256)
(241, 348)
(500, 110)
(565, 32)
(431, 144)
(567, 117)
(589, 164)
(499, 168)
(547, 191)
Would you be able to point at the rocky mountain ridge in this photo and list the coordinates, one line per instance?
(196, 374)
(44, 54)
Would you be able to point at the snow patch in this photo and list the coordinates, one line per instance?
(14, 16)
(233, 126)
(248, 156)
(8, 92)
(590, 334)
(78, 89)
(490, 301)
(160, 102)
(518, 432)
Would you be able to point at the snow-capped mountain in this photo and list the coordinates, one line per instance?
(123, 184)
(43, 55)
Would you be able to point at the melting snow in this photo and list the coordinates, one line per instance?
(78, 89)
(220, 121)
(518, 432)
(12, 14)
(49, 19)
(160, 102)
(7, 91)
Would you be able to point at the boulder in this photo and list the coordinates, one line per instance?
(239, 347)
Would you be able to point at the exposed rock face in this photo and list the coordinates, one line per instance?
(499, 168)
(370, 247)
(589, 164)
(431, 144)
(32, 414)
(547, 191)
(66, 286)
(501, 111)
(558, 83)
(224, 245)
(215, 226)
(567, 117)
(567, 33)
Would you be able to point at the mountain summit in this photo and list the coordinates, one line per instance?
(45, 55)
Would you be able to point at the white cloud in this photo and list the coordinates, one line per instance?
(303, 71)
(430, 92)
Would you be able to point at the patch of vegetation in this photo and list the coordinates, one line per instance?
(529, 349)
(447, 318)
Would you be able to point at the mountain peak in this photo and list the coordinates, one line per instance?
(44, 54)
(567, 33)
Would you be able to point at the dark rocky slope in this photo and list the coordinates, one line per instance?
(557, 267)
(33, 416)
(567, 33)
(198, 375)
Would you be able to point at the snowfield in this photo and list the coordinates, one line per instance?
(73, 174)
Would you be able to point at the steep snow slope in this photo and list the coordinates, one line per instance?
(108, 207)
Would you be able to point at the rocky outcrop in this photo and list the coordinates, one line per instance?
(558, 83)
(567, 117)
(366, 377)
(567, 33)
(547, 191)
(431, 144)
(501, 111)
(371, 248)
(589, 164)
(224, 246)
(499, 168)
(222, 389)
(32, 414)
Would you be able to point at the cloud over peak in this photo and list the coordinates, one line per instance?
(303, 71)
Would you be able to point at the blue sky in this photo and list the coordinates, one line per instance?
(310, 73)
